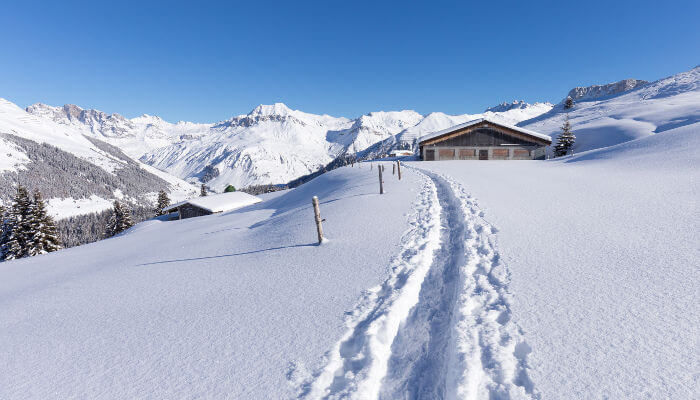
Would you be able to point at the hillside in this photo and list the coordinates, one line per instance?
(617, 113)
(570, 278)
(77, 174)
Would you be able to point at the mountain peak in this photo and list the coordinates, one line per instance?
(505, 106)
(271, 109)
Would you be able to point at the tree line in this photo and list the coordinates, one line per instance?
(27, 229)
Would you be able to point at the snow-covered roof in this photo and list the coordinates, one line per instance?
(218, 202)
(479, 120)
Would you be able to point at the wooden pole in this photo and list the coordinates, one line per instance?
(317, 217)
(381, 181)
(398, 167)
(393, 169)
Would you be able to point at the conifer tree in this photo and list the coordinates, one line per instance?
(119, 221)
(203, 191)
(18, 240)
(4, 231)
(568, 103)
(566, 139)
(43, 229)
(231, 188)
(163, 201)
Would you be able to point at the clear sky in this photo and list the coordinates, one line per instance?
(205, 62)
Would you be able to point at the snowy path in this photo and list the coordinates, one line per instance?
(440, 326)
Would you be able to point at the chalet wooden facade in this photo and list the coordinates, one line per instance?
(483, 139)
(216, 203)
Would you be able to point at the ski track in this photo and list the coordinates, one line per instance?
(440, 326)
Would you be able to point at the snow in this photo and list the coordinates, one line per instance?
(479, 120)
(602, 254)
(219, 202)
(69, 207)
(567, 278)
(509, 114)
(644, 111)
(272, 144)
(14, 120)
(70, 138)
(12, 158)
(228, 303)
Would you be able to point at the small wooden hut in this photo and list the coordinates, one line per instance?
(483, 139)
(215, 203)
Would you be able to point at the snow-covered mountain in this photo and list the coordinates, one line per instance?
(77, 174)
(272, 144)
(589, 93)
(135, 136)
(606, 115)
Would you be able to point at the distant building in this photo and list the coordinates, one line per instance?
(482, 139)
(215, 203)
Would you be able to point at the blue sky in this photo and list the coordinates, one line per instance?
(208, 62)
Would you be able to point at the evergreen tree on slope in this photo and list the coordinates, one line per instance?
(4, 231)
(203, 190)
(45, 235)
(163, 201)
(18, 239)
(569, 103)
(119, 221)
(566, 139)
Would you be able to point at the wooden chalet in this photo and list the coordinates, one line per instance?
(483, 139)
(211, 204)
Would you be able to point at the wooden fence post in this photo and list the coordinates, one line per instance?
(381, 181)
(317, 217)
(398, 167)
(393, 169)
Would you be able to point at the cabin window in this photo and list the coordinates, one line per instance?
(465, 154)
(521, 153)
(446, 154)
(500, 153)
(429, 155)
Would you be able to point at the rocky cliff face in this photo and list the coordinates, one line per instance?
(594, 92)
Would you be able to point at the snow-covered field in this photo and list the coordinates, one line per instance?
(571, 278)
(602, 251)
(220, 306)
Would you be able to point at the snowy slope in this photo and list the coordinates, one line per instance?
(237, 305)
(602, 250)
(570, 278)
(622, 115)
(77, 174)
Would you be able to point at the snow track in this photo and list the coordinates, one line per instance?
(440, 326)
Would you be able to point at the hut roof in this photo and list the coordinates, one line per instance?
(218, 202)
(480, 120)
